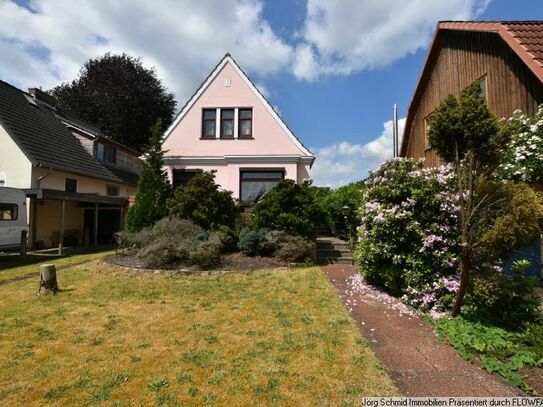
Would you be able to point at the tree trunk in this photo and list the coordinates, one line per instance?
(48, 280)
(465, 267)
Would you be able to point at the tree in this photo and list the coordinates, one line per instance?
(117, 93)
(464, 132)
(289, 207)
(153, 188)
(203, 202)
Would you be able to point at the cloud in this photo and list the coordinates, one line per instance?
(341, 163)
(183, 39)
(341, 37)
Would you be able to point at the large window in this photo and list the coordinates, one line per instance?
(227, 123)
(8, 211)
(180, 178)
(208, 123)
(111, 155)
(255, 183)
(70, 185)
(245, 123)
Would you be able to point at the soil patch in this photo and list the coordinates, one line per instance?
(229, 262)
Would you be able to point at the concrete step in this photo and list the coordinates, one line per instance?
(328, 246)
(335, 260)
(334, 253)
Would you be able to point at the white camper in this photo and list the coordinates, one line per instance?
(13, 225)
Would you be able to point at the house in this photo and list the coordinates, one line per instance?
(228, 126)
(506, 58)
(78, 182)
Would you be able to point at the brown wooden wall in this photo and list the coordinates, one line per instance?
(463, 58)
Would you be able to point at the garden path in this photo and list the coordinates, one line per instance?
(420, 363)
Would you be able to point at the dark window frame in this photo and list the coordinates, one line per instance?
(70, 185)
(204, 120)
(263, 170)
(240, 120)
(232, 120)
(193, 172)
(111, 159)
(5, 206)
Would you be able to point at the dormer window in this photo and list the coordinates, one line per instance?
(227, 123)
(111, 155)
(208, 123)
(245, 129)
(101, 151)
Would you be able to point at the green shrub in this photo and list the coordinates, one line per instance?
(498, 350)
(336, 203)
(294, 249)
(408, 236)
(176, 229)
(250, 241)
(509, 301)
(159, 254)
(204, 202)
(206, 254)
(289, 207)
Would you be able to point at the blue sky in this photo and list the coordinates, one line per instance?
(333, 68)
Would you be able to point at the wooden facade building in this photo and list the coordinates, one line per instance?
(506, 58)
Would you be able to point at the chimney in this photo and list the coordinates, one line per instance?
(42, 96)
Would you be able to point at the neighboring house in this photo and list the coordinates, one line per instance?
(78, 182)
(229, 126)
(506, 58)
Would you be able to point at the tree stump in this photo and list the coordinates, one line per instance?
(48, 279)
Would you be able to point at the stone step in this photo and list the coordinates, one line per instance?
(334, 253)
(327, 245)
(335, 260)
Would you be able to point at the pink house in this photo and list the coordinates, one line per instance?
(229, 126)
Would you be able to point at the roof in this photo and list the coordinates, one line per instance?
(525, 38)
(39, 133)
(225, 60)
(94, 131)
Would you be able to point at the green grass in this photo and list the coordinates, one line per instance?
(278, 337)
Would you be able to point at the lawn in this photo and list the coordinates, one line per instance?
(129, 338)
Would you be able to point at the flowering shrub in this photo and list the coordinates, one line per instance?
(522, 154)
(408, 236)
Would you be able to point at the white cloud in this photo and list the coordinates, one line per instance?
(343, 162)
(183, 39)
(341, 37)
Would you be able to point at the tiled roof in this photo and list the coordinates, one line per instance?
(524, 37)
(43, 138)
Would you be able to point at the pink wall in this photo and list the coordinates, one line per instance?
(228, 175)
(269, 137)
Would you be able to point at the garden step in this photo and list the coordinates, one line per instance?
(335, 260)
(322, 246)
(334, 253)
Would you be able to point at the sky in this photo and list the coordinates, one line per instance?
(333, 69)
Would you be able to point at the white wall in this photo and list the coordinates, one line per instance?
(16, 167)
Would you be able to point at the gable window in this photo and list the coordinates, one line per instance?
(255, 183)
(427, 124)
(8, 211)
(112, 191)
(227, 123)
(482, 87)
(100, 151)
(180, 178)
(245, 128)
(208, 123)
(70, 185)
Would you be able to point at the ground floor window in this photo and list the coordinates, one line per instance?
(255, 183)
(180, 178)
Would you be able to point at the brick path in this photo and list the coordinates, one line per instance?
(419, 363)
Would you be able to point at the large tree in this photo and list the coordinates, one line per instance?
(117, 93)
(153, 188)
